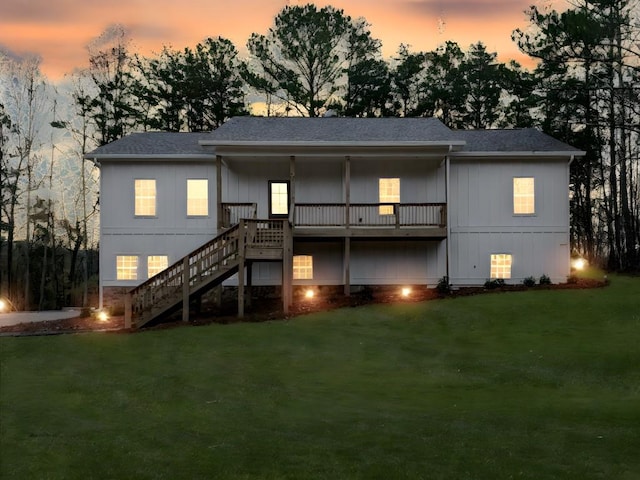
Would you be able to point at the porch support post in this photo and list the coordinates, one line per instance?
(185, 289)
(346, 264)
(219, 193)
(292, 187)
(241, 265)
(447, 173)
(287, 269)
(347, 190)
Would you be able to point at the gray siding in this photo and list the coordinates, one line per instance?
(482, 221)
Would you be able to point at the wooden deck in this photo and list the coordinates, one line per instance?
(384, 220)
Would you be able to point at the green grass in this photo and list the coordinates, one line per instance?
(527, 385)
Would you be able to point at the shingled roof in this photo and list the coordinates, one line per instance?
(336, 131)
(514, 140)
(332, 129)
(154, 144)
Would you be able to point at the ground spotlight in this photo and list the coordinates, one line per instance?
(309, 293)
(405, 292)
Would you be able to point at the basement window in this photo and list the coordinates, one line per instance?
(156, 264)
(302, 267)
(389, 192)
(524, 198)
(145, 197)
(501, 265)
(127, 267)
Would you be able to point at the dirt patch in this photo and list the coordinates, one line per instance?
(266, 309)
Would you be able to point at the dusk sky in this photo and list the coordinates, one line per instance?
(59, 30)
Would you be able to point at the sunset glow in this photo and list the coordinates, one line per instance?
(59, 31)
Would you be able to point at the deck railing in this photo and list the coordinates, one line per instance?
(207, 265)
(232, 213)
(396, 215)
(201, 263)
(263, 233)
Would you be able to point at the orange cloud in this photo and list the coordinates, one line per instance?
(59, 30)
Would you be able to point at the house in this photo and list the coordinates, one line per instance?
(327, 201)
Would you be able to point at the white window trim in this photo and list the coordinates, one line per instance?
(513, 197)
(198, 215)
(300, 271)
(149, 274)
(136, 270)
(155, 199)
(501, 256)
(388, 209)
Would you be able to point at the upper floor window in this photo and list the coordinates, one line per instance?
(145, 197)
(302, 267)
(197, 197)
(501, 265)
(156, 264)
(278, 199)
(524, 198)
(389, 192)
(127, 267)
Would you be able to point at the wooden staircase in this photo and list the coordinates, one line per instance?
(207, 267)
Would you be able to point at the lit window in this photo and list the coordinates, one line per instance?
(197, 197)
(302, 267)
(156, 264)
(524, 196)
(389, 192)
(127, 267)
(501, 265)
(279, 198)
(145, 197)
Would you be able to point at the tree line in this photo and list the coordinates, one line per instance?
(585, 90)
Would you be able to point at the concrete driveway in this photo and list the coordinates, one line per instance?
(14, 318)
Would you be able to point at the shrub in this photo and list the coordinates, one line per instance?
(443, 287)
(494, 283)
(529, 282)
(544, 280)
(572, 279)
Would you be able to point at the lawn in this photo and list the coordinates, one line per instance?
(524, 385)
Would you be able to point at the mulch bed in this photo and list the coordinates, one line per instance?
(266, 309)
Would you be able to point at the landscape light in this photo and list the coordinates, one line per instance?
(309, 293)
(579, 263)
(6, 305)
(102, 316)
(406, 291)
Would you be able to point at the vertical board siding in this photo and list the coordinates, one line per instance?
(482, 219)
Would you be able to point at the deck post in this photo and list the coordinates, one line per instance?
(346, 262)
(185, 289)
(127, 310)
(287, 269)
(249, 283)
(241, 255)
